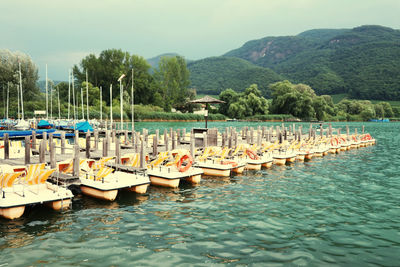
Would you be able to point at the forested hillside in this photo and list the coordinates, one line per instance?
(215, 74)
(363, 62)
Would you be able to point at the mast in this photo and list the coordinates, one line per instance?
(18, 101)
(73, 95)
(8, 95)
(133, 104)
(20, 87)
(59, 111)
(69, 91)
(111, 115)
(83, 110)
(87, 95)
(51, 101)
(101, 104)
(47, 96)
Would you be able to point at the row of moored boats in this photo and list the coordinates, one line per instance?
(22, 186)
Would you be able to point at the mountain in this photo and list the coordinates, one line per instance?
(215, 74)
(154, 60)
(363, 62)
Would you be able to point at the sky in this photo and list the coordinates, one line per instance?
(60, 33)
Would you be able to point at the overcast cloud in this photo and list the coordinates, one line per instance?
(60, 33)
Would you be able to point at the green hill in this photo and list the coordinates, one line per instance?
(363, 62)
(215, 74)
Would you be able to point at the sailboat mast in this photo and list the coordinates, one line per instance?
(47, 96)
(87, 95)
(69, 91)
(51, 101)
(133, 104)
(20, 87)
(111, 115)
(73, 94)
(59, 110)
(101, 104)
(8, 95)
(18, 115)
(83, 111)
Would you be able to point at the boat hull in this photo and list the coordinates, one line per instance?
(59, 204)
(164, 182)
(12, 213)
(109, 195)
(139, 189)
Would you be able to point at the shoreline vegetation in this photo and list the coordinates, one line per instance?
(165, 94)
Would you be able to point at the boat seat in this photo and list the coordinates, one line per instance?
(8, 179)
(32, 172)
(44, 175)
(102, 173)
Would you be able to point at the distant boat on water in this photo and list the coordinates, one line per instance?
(379, 120)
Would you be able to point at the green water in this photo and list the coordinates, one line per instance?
(338, 210)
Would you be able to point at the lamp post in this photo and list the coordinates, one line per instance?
(121, 91)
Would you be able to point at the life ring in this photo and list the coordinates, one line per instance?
(333, 143)
(227, 162)
(252, 155)
(188, 158)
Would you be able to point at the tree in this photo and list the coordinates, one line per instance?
(9, 73)
(109, 66)
(173, 81)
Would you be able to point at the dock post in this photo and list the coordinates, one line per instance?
(347, 130)
(166, 139)
(205, 143)
(62, 143)
(355, 131)
(223, 138)
(76, 160)
(42, 152)
(142, 153)
(133, 135)
(44, 137)
(105, 146)
(34, 139)
(178, 136)
(183, 134)
(27, 150)
(53, 155)
(50, 139)
(330, 129)
(259, 139)
(113, 133)
(155, 145)
(362, 129)
(321, 130)
(96, 139)
(6, 146)
(157, 134)
(87, 145)
(108, 140)
(192, 151)
(126, 137)
(117, 152)
(173, 140)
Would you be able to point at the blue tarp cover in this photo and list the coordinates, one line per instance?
(83, 126)
(44, 123)
(25, 133)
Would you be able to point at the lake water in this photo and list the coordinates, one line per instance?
(338, 210)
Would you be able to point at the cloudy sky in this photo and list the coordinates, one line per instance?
(62, 32)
